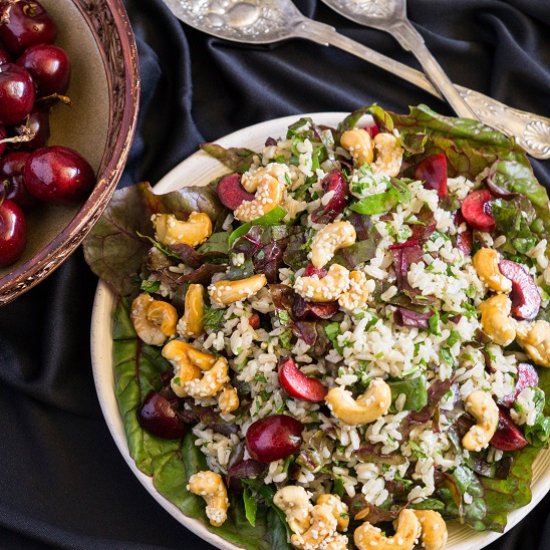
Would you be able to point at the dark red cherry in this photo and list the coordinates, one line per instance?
(335, 183)
(311, 270)
(231, 193)
(13, 233)
(58, 175)
(25, 23)
(372, 129)
(274, 437)
(16, 94)
(49, 67)
(158, 417)
(476, 210)
(298, 385)
(11, 176)
(508, 436)
(527, 377)
(36, 128)
(526, 300)
(433, 171)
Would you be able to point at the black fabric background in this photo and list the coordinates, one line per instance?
(63, 483)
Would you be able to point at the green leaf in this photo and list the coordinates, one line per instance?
(150, 286)
(217, 243)
(237, 159)
(415, 390)
(271, 218)
(332, 331)
(377, 204)
(213, 319)
(250, 506)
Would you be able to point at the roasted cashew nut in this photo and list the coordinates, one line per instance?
(153, 320)
(193, 313)
(358, 143)
(211, 383)
(188, 362)
(268, 183)
(389, 155)
(210, 486)
(496, 321)
(327, 289)
(407, 530)
(323, 525)
(483, 408)
(367, 408)
(434, 529)
(534, 338)
(293, 500)
(228, 400)
(358, 293)
(339, 510)
(171, 231)
(329, 239)
(485, 262)
(226, 292)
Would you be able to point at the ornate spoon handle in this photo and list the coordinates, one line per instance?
(531, 131)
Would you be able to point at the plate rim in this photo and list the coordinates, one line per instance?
(104, 300)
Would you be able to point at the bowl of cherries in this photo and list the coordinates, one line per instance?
(69, 89)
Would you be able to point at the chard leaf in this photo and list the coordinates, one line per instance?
(250, 506)
(237, 159)
(273, 217)
(415, 390)
(216, 243)
(114, 250)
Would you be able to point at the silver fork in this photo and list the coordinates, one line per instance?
(269, 21)
(391, 16)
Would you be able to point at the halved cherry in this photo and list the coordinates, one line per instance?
(303, 310)
(274, 437)
(231, 193)
(508, 436)
(335, 183)
(476, 210)
(525, 295)
(158, 417)
(372, 129)
(527, 378)
(298, 385)
(433, 171)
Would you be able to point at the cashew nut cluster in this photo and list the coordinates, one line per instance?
(189, 364)
(534, 338)
(358, 293)
(485, 262)
(410, 525)
(210, 486)
(313, 527)
(483, 408)
(407, 531)
(226, 292)
(268, 183)
(171, 231)
(154, 320)
(367, 408)
(496, 321)
(193, 315)
(329, 239)
(327, 289)
(389, 153)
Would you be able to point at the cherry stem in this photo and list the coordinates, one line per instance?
(54, 98)
(26, 134)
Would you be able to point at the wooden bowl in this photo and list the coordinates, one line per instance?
(99, 124)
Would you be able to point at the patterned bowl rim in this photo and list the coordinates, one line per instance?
(122, 70)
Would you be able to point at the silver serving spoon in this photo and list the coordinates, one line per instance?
(391, 16)
(269, 21)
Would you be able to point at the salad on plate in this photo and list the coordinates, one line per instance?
(342, 342)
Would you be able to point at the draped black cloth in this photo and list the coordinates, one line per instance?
(63, 483)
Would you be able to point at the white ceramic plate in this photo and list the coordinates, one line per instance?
(199, 169)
